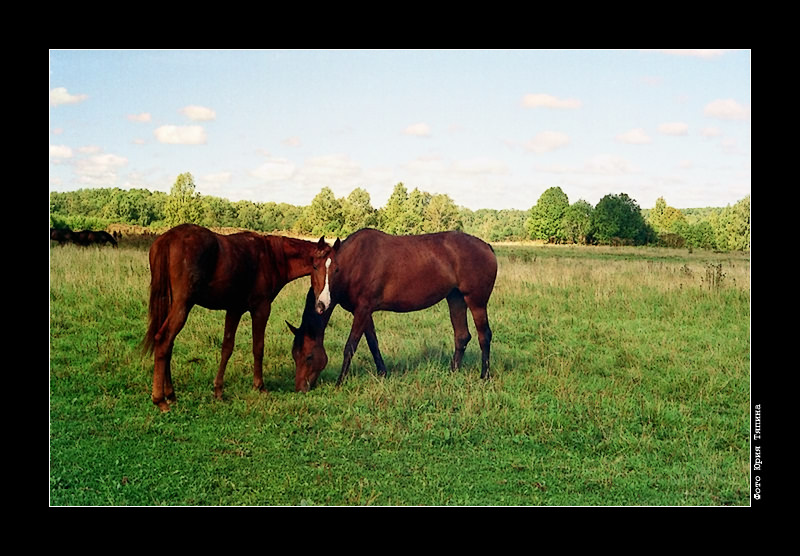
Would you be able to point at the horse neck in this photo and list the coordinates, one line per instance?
(297, 254)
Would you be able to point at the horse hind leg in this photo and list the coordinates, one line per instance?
(163, 391)
(361, 320)
(458, 318)
(481, 318)
(232, 319)
(260, 318)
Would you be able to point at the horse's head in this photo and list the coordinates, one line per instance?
(308, 348)
(323, 270)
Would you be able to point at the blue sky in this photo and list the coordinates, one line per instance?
(492, 129)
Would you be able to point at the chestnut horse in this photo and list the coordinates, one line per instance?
(373, 271)
(191, 265)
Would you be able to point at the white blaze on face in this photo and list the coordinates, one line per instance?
(324, 300)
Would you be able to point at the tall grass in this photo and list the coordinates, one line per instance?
(619, 378)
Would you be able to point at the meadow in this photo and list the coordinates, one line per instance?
(620, 377)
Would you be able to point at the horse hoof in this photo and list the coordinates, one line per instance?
(163, 406)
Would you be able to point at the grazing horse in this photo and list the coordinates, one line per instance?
(88, 237)
(373, 271)
(61, 235)
(308, 349)
(191, 265)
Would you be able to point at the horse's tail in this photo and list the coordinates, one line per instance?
(160, 294)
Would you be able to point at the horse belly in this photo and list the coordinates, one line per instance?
(229, 288)
(416, 291)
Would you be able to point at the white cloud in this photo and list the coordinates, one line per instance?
(60, 151)
(59, 96)
(199, 113)
(674, 128)
(730, 145)
(726, 109)
(602, 164)
(99, 169)
(652, 81)
(606, 164)
(213, 183)
(419, 130)
(634, 137)
(428, 164)
(275, 169)
(181, 135)
(330, 166)
(218, 179)
(710, 132)
(480, 165)
(292, 142)
(143, 117)
(549, 101)
(547, 141)
(696, 53)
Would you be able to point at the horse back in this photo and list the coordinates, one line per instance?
(406, 273)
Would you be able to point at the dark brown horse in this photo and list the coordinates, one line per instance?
(373, 271)
(308, 348)
(191, 265)
(90, 237)
(61, 235)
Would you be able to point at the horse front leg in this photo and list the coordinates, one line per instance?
(360, 321)
(372, 342)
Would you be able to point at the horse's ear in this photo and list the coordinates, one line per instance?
(337, 244)
(292, 328)
(321, 243)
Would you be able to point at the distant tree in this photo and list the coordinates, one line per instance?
(391, 216)
(732, 226)
(441, 214)
(270, 217)
(247, 215)
(619, 218)
(510, 225)
(664, 218)
(217, 212)
(544, 218)
(183, 204)
(290, 214)
(577, 222)
(699, 235)
(323, 215)
(413, 215)
(357, 212)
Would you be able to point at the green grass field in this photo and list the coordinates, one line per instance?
(621, 376)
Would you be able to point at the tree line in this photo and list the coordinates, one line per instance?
(616, 220)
